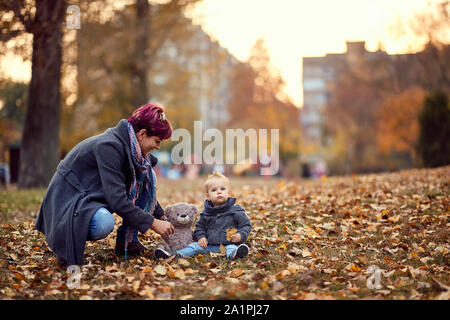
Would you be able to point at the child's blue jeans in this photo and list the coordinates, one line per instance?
(195, 248)
(102, 224)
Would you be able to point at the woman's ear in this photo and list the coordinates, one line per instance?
(141, 134)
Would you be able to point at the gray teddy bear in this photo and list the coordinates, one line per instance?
(181, 216)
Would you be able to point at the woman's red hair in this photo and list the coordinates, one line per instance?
(149, 117)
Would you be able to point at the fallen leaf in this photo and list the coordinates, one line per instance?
(147, 270)
(180, 274)
(183, 262)
(354, 268)
(306, 253)
(277, 286)
(230, 232)
(264, 285)
(161, 270)
(236, 273)
(147, 292)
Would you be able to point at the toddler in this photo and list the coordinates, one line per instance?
(222, 222)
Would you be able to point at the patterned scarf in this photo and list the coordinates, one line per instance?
(142, 190)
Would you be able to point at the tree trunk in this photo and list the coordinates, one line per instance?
(40, 140)
(140, 64)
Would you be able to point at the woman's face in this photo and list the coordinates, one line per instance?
(147, 143)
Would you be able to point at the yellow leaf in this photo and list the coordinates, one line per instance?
(147, 269)
(230, 232)
(236, 273)
(354, 268)
(136, 285)
(293, 268)
(85, 287)
(147, 292)
(393, 219)
(414, 254)
(285, 228)
(183, 262)
(180, 274)
(306, 253)
(222, 249)
(281, 274)
(264, 285)
(160, 270)
(171, 272)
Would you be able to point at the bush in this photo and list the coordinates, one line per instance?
(434, 134)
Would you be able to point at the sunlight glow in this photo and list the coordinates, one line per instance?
(294, 29)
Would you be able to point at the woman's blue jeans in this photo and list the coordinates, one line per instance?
(102, 224)
(194, 248)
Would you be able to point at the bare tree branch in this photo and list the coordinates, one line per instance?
(4, 37)
(17, 6)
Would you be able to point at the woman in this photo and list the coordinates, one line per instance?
(110, 172)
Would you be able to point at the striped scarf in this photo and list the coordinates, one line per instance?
(142, 189)
(142, 177)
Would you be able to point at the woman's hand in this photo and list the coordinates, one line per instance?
(164, 228)
(203, 242)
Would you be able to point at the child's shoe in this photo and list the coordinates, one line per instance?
(240, 252)
(162, 254)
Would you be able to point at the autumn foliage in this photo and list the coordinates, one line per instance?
(398, 127)
(316, 239)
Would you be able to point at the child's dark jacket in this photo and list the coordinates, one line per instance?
(214, 221)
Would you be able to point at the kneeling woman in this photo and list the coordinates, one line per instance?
(107, 173)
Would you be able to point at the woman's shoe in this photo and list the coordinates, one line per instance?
(120, 244)
(136, 249)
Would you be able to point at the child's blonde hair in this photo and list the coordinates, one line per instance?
(214, 176)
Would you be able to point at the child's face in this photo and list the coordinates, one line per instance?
(218, 192)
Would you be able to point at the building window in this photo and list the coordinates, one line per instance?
(313, 84)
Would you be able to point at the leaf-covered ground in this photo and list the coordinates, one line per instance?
(310, 240)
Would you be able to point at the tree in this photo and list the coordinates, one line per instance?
(257, 100)
(350, 115)
(430, 27)
(434, 136)
(109, 86)
(40, 139)
(398, 126)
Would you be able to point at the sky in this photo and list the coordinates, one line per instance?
(293, 29)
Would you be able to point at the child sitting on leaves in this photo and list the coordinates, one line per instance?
(220, 218)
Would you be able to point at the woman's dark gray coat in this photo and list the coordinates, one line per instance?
(96, 173)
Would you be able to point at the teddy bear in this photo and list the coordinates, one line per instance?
(181, 216)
